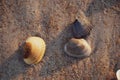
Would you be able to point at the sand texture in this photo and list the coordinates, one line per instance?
(51, 20)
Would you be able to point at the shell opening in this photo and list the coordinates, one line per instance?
(27, 50)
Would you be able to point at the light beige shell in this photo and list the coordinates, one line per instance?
(118, 74)
(77, 48)
(34, 50)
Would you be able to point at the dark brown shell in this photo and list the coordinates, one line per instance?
(79, 30)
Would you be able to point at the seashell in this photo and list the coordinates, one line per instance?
(77, 48)
(118, 74)
(34, 50)
(79, 30)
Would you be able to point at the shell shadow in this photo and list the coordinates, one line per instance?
(13, 66)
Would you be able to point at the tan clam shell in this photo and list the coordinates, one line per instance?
(34, 50)
(77, 48)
